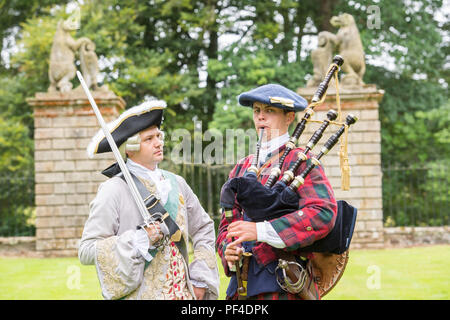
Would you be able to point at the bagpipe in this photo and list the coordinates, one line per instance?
(277, 198)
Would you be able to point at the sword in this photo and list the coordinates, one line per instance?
(134, 191)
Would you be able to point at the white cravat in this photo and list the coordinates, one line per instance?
(268, 147)
(163, 186)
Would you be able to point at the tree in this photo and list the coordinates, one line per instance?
(17, 178)
(15, 12)
(200, 55)
(413, 80)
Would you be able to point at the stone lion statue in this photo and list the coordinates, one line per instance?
(62, 56)
(89, 64)
(321, 59)
(347, 43)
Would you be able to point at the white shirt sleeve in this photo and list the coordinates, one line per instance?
(266, 233)
(141, 243)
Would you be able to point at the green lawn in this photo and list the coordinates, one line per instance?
(412, 273)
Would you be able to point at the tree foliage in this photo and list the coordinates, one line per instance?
(200, 55)
(16, 177)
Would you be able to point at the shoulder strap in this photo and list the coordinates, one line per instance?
(156, 210)
(269, 162)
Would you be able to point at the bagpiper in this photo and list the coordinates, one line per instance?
(282, 234)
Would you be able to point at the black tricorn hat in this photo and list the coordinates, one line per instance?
(129, 123)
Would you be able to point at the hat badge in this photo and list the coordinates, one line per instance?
(284, 101)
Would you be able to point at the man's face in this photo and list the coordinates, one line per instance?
(151, 152)
(274, 121)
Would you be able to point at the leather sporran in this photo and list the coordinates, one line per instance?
(328, 269)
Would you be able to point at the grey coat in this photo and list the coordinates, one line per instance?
(108, 242)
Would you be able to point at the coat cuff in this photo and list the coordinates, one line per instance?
(141, 243)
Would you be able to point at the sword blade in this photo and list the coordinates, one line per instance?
(134, 191)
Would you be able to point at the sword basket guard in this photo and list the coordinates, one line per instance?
(288, 282)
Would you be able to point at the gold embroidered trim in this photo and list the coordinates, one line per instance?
(181, 200)
(181, 220)
(107, 263)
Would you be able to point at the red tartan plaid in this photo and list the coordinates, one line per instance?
(313, 221)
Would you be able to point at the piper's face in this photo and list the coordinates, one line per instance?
(151, 148)
(274, 121)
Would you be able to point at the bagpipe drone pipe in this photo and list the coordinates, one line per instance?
(265, 202)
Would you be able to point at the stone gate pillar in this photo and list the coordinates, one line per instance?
(364, 150)
(66, 180)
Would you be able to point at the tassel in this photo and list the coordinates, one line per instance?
(338, 99)
(343, 153)
(345, 179)
(343, 158)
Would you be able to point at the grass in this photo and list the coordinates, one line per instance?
(419, 273)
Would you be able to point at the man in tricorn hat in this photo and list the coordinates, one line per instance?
(134, 261)
(263, 243)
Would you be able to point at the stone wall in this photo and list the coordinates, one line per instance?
(413, 236)
(364, 151)
(66, 179)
